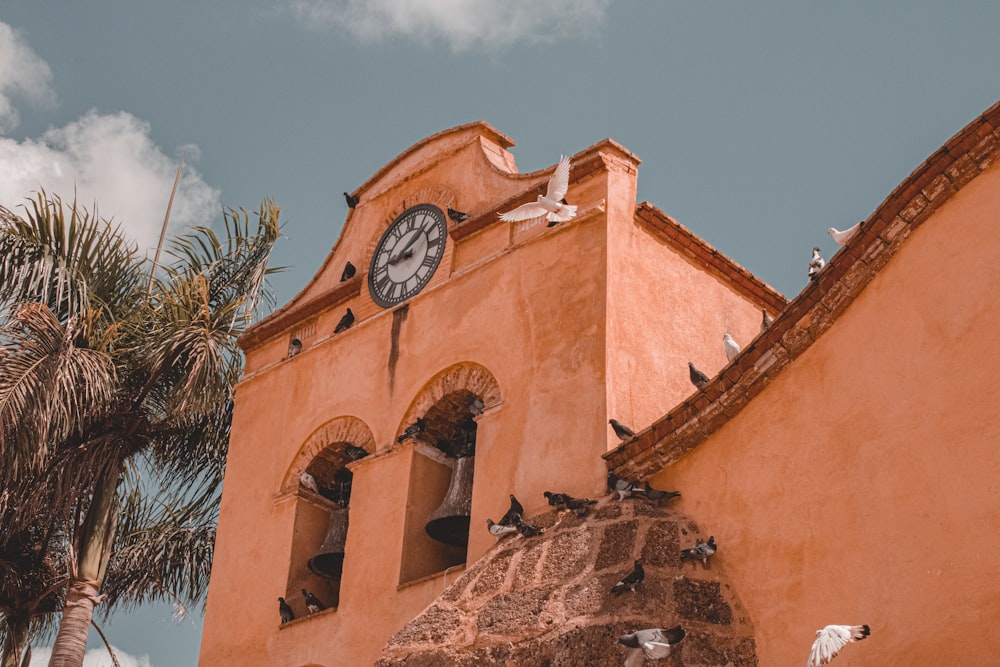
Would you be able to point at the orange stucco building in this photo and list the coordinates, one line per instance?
(846, 460)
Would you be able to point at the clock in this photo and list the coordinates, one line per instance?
(407, 255)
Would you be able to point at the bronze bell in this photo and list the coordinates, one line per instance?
(449, 523)
(329, 560)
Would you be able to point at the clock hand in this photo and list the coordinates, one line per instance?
(406, 253)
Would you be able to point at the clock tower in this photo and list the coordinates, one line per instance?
(484, 359)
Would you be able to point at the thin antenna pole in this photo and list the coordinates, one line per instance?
(166, 219)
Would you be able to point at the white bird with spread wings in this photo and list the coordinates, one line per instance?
(552, 204)
(831, 639)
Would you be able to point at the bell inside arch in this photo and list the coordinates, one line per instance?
(449, 523)
(329, 560)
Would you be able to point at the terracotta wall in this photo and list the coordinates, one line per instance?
(861, 485)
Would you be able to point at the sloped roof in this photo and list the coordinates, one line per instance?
(819, 305)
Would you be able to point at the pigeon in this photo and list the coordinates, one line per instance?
(620, 486)
(476, 406)
(345, 322)
(702, 551)
(631, 580)
(658, 496)
(816, 265)
(499, 531)
(580, 506)
(355, 453)
(551, 203)
(623, 432)
(294, 347)
(352, 201)
(765, 321)
(527, 529)
(514, 514)
(652, 643)
(732, 349)
(556, 499)
(286, 612)
(308, 481)
(698, 378)
(348, 273)
(312, 602)
(831, 639)
(412, 431)
(843, 237)
(457, 216)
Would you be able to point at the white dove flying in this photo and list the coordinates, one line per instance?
(831, 639)
(550, 204)
(844, 236)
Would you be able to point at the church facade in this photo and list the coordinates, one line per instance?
(845, 460)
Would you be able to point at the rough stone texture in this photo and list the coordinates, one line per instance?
(547, 600)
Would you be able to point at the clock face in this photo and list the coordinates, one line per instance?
(407, 255)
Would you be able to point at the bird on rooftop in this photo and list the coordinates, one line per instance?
(345, 322)
(732, 349)
(499, 531)
(355, 453)
(579, 506)
(702, 551)
(556, 499)
(831, 639)
(457, 216)
(765, 321)
(412, 431)
(526, 529)
(623, 432)
(659, 496)
(698, 378)
(294, 347)
(843, 237)
(630, 580)
(308, 481)
(286, 612)
(349, 272)
(651, 643)
(816, 265)
(513, 514)
(312, 602)
(551, 203)
(352, 201)
(623, 488)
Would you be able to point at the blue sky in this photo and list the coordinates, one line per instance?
(760, 124)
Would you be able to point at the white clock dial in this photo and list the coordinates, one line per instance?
(407, 255)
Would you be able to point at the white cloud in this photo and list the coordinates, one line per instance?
(95, 657)
(487, 25)
(109, 159)
(23, 74)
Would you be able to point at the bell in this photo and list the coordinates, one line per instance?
(329, 560)
(449, 523)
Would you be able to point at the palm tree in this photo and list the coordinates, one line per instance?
(115, 401)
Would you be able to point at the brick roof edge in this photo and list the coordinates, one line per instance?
(967, 154)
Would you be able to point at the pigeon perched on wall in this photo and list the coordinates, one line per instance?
(412, 431)
(286, 612)
(526, 529)
(345, 322)
(658, 496)
(458, 216)
(309, 482)
(580, 506)
(349, 272)
(355, 453)
(352, 201)
(765, 320)
(513, 514)
(476, 406)
(551, 203)
(831, 639)
(702, 551)
(294, 347)
(630, 580)
(843, 237)
(499, 531)
(698, 378)
(312, 602)
(623, 488)
(556, 499)
(816, 265)
(651, 643)
(623, 432)
(732, 349)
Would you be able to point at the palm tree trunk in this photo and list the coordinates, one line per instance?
(13, 646)
(81, 598)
